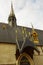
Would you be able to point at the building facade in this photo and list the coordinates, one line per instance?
(20, 45)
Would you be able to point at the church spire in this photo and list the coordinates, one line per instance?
(12, 10)
(12, 18)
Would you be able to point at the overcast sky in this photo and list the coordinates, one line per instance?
(26, 11)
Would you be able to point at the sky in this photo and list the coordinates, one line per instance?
(26, 12)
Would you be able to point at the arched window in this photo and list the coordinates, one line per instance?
(25, 59)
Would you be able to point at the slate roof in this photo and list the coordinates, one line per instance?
(39, 32)
(8, 34)
(30, 44)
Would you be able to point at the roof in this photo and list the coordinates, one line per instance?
(40, 35)
(20, 34)
(7, 34)
(30, 44)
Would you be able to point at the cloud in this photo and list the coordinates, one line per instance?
(20, 4)
(34, 1)
(32, 11)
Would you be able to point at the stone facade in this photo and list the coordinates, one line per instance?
(38, 58)
(7, 53)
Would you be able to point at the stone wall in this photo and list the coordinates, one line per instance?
(7, 53)
(38, 59)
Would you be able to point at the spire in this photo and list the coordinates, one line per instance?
(12, 18)
(12, 11)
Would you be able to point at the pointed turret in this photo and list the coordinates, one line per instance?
(12, 18)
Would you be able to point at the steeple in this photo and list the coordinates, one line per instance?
(12, 18)
(12, 11)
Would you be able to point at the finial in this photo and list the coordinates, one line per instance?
(32, 27)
